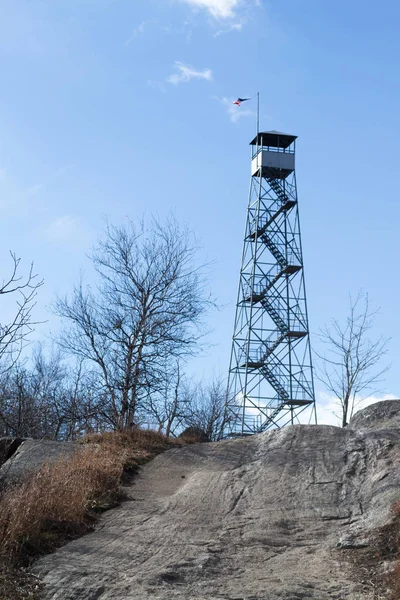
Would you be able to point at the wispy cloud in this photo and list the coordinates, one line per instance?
(235, 112)
(187, 73)
(219, 9)
(225, 16)
(139, 30)
(231, 27)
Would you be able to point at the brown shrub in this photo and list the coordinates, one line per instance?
(139, 446)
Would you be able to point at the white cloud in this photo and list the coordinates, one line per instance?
(329, 410)
(224, 10)
(64, 229)
(186, 73)
(232, 27)
(219, 9)
(235, 112)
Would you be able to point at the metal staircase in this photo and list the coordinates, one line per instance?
(271, 347)
(283, 208)
(276, 382)
(273, 248)
(276, 186)
(274, 313)
(270, 420)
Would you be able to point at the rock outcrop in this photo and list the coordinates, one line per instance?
(196, 434)
(8, 446)
(269, 517)
(28, 455)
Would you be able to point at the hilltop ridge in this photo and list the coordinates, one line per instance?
(285, 514)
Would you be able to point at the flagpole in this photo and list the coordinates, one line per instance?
(258, 113)
(258, 120)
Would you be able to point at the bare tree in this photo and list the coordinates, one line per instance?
(29, 393)
(205, 408)
(349, 369)
(77, 406)
(45, 396)
(21, 292)
(147, 308)
(166, 405)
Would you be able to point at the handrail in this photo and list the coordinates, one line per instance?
(271, 149)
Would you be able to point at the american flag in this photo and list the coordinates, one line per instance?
(240, 100)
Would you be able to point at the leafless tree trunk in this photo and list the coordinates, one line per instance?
(205, 408)
(21, 293)
(166, 404)
(147, 309)
(348, 369)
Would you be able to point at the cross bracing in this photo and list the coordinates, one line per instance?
(270, 375)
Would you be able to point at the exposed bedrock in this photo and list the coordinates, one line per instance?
(271, 517)
(24, 456)
(8, 446)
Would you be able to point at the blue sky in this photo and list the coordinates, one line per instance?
(122, 107)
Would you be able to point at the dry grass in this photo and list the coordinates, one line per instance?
(57, 499)
(60, 501)
(141, 445)
(18, 584)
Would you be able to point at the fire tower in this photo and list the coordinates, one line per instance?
(270, 374)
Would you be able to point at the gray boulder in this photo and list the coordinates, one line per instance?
(380, 415)
(29, 456)
(8, 445)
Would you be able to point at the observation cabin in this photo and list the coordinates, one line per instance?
(273, 154)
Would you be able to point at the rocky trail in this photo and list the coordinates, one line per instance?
(273, 516)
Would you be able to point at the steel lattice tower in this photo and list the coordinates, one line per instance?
(270, 374)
